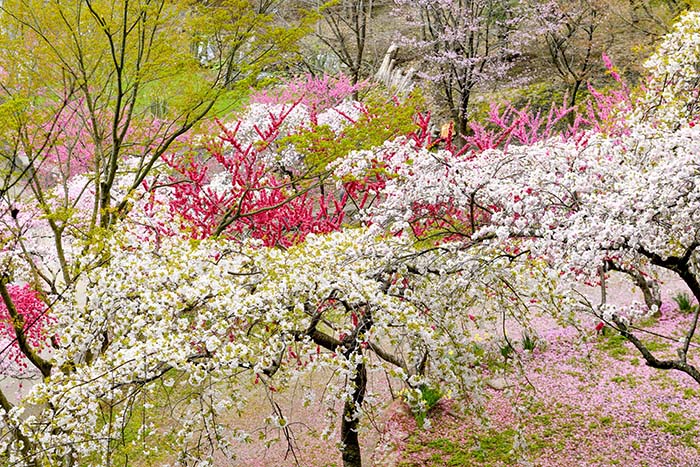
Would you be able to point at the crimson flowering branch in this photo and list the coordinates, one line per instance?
(247, 196)
(19, 306)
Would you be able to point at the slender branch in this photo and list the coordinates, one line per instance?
(386, 356)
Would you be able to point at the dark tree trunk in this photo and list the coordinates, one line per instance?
(649, 287)
(572, 100)
(681, 266)
(352, 456)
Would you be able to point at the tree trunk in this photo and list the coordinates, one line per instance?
(572, 100)
(352, 456)
(649, 287)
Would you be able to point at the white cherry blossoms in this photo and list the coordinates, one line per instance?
(213, 320)
(625, 200)
(286, 119)
(672, 95)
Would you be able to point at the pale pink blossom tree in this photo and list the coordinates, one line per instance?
(463, 44)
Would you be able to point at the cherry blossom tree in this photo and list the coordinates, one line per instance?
(464, 45)
(263, 192)
(625, 198)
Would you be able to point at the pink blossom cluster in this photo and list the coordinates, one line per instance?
(238, 193)
(34, 319)
(317, 93)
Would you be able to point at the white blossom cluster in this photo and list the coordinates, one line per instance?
(287, 119)
(673, 96)
(623, 198)
(212, 316)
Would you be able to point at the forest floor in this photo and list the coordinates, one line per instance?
(588, 400)
(588, 403)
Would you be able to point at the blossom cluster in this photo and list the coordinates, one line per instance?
(34, 320)
(672, 94)
(215, 315)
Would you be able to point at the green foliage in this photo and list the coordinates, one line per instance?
(648, 321)
(230, 102)
(12, 111)
(507, 351)
(529, 343)
(553, 425)
(628, 380)
(383, 121)
(538, 96)
(656, 346)
(430, 397)
(685, 303)
(134, 443)
(168, 59)
(614, 346)
(255, 41)
(496, 446)
(491, 447)
(606, 420)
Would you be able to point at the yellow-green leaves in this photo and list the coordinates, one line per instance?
(382, 120)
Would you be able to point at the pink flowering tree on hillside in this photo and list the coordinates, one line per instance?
(245, 194)
(316, 93)
(265, 175)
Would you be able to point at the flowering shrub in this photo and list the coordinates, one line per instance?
(265, 175)
(319, 94)
(248, 194)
